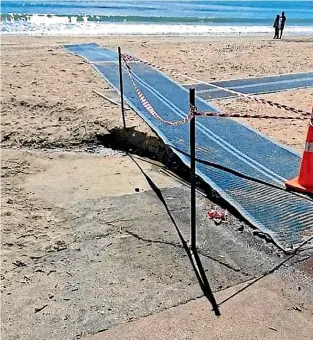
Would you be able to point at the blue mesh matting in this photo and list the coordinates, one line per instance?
(254, 85)
(287, 217)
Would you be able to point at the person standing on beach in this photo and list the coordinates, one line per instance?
(282, 24)
(276, 27)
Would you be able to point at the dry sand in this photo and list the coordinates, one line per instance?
(47, 102)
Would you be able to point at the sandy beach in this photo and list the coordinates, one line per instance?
(71, 221)
(47, 97)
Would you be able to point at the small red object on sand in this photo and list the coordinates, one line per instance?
(218, 216)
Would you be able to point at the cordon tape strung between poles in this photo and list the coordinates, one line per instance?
(193, 110)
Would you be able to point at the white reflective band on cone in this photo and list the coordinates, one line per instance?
(308, 147)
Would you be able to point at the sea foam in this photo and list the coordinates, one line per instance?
(54, 25)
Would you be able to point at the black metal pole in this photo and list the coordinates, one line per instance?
(192, 141)
(121, 86)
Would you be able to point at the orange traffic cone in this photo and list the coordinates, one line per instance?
(304, 182)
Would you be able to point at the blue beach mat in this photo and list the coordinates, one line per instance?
(252, 86)
(258, 194)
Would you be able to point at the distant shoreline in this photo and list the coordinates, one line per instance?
(24, 28)
(152, 17)
(91, 37)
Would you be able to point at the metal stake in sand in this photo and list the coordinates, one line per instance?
(121, 86)
(192, 141)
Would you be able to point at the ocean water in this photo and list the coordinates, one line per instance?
(184, 17)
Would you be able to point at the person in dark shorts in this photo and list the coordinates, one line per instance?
(282, 24)
(276, 27)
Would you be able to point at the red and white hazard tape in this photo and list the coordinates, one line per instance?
(246, 115)
(149, 107)
(128, 57)
(193, 110)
